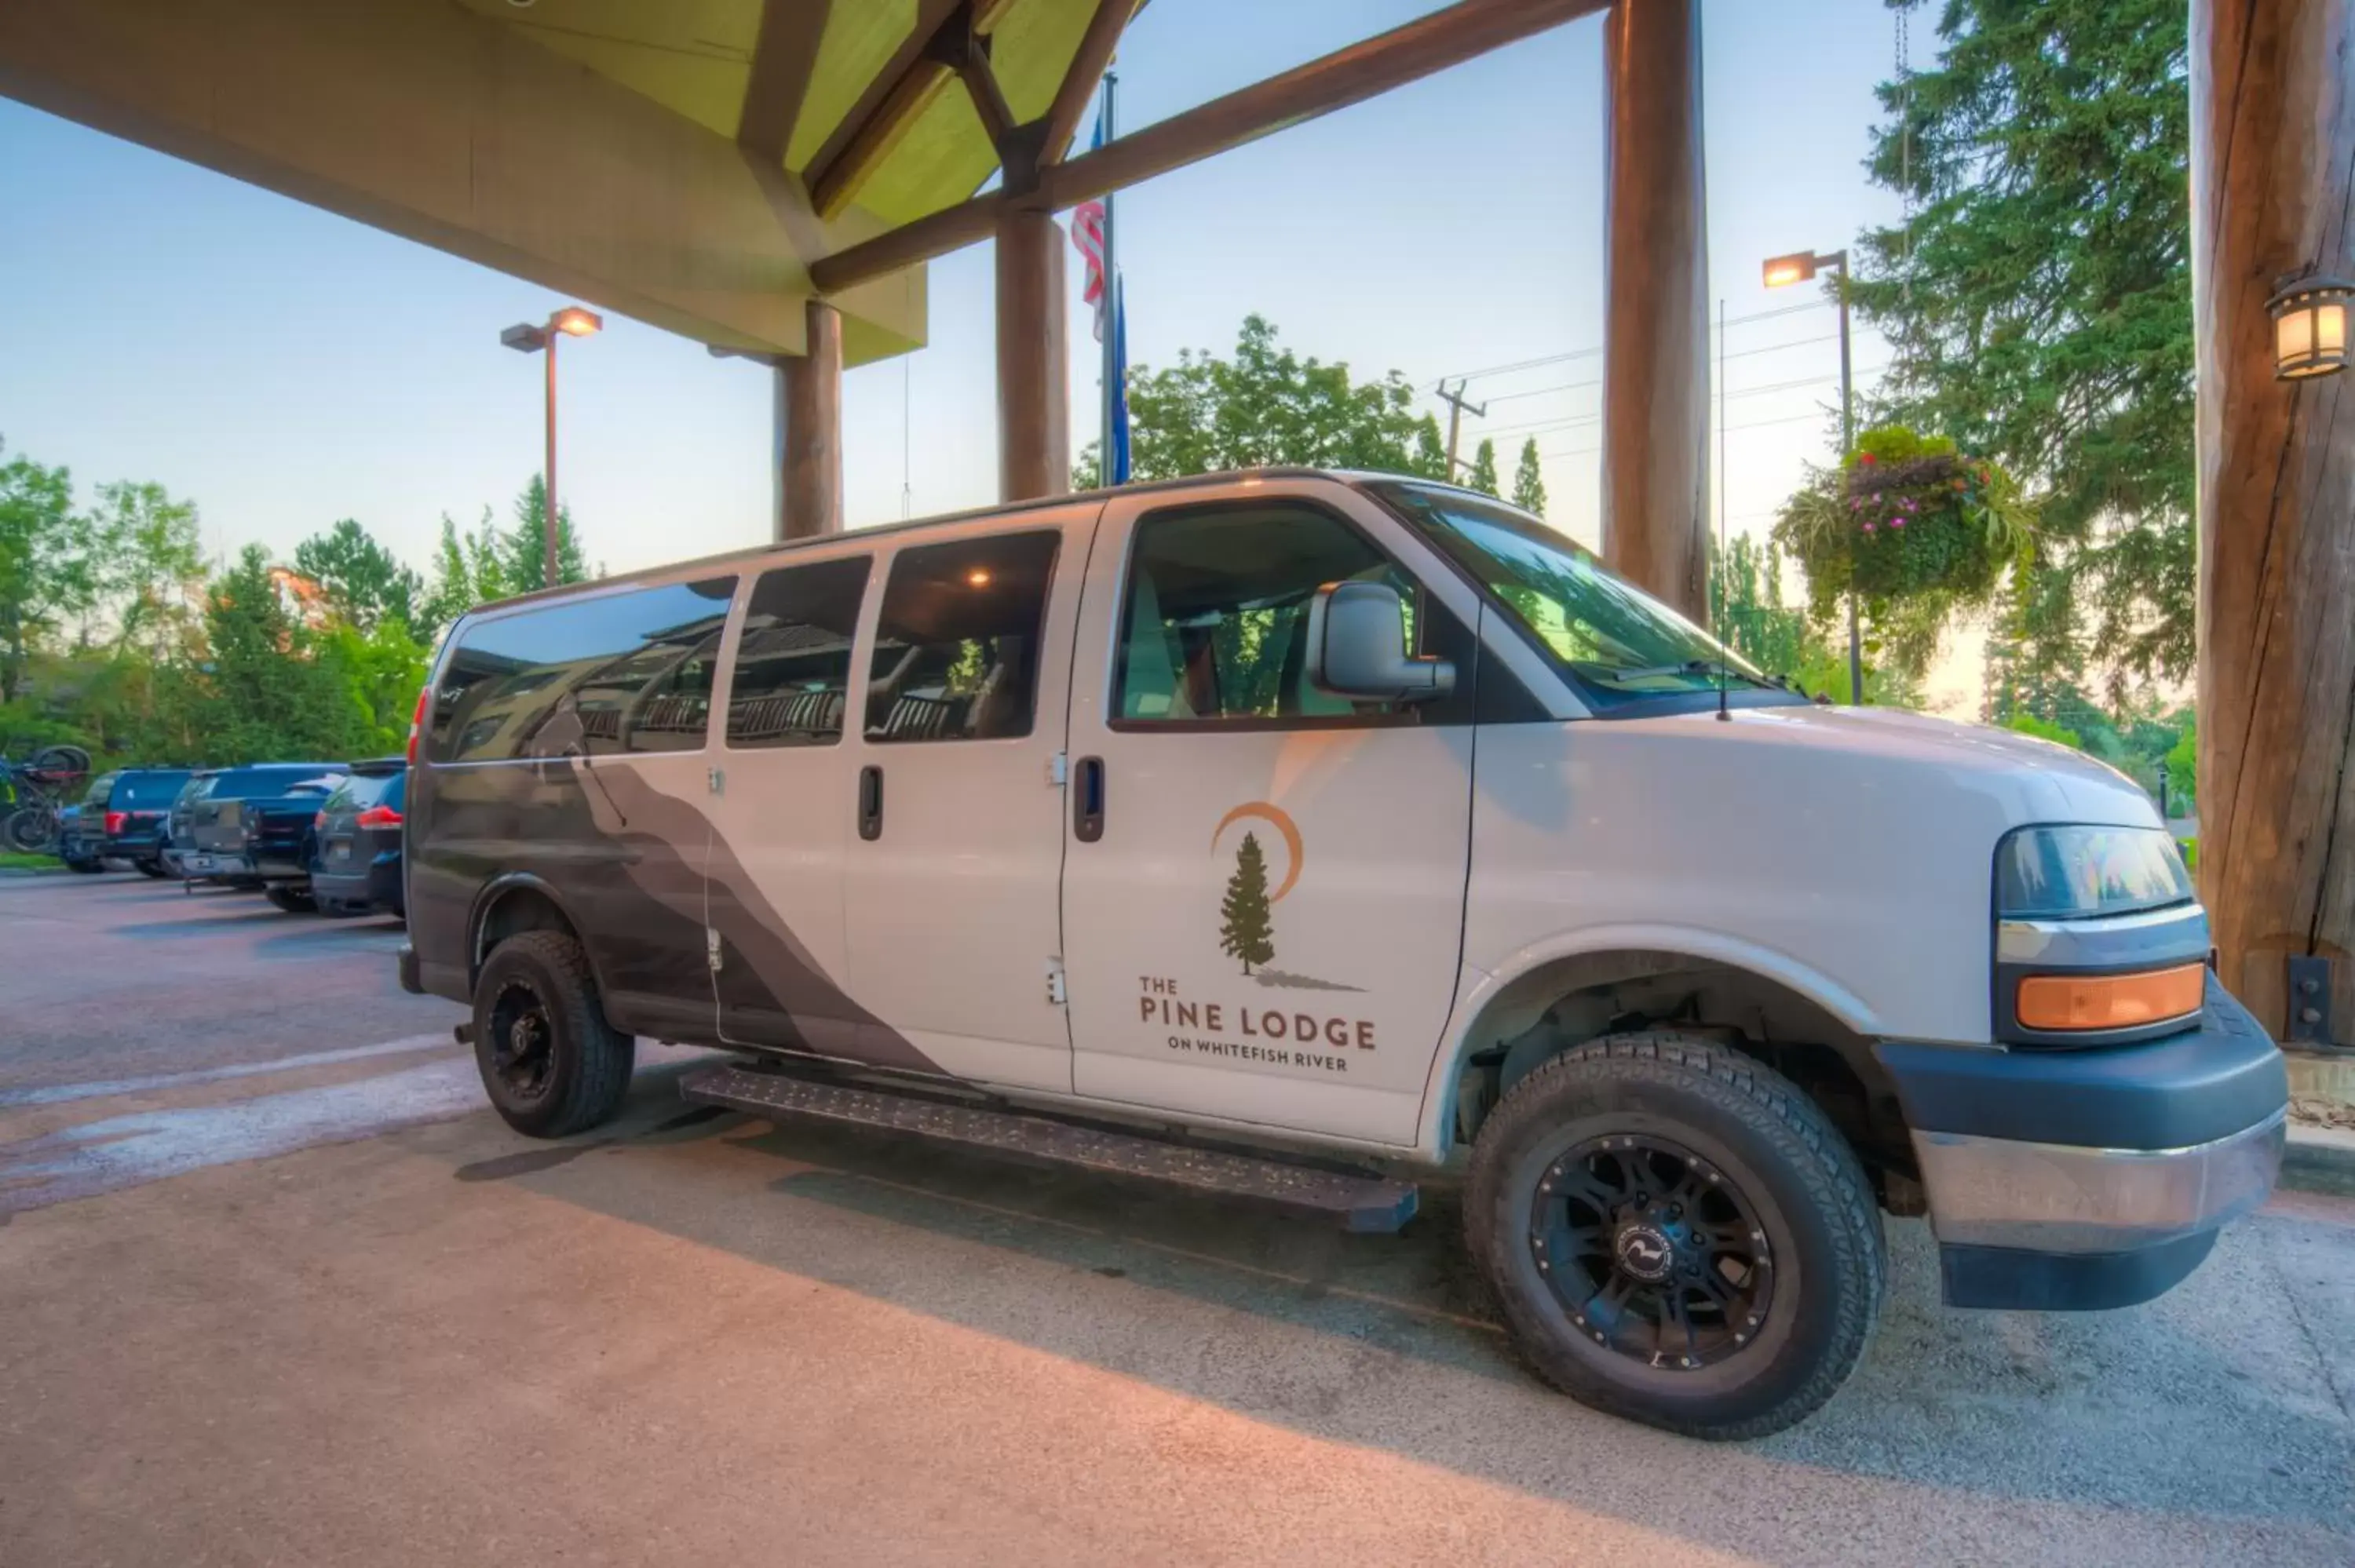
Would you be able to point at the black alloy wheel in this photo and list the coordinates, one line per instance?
(1653, 1250)
(522, 1042)
(552, 1063)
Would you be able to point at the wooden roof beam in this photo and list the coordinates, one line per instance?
(1420, 48)
(783, 55)
(1094, 57)
(900, 91)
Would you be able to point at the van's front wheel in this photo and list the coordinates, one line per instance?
(1677, 1235)
(550, 1063)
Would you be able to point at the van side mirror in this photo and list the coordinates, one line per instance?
(1356, 647)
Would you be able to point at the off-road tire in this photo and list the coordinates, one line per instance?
(86, 868)
(591, 1060)
(1795, 1169)
(293, 900)
(151, 868)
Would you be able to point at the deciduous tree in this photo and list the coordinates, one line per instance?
(1267, 405)
(47, 576)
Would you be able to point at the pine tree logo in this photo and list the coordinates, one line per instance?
(1248, 931)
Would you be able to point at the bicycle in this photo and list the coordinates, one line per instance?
(31, 792)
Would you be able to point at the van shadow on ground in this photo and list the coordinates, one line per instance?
(2213, 1404)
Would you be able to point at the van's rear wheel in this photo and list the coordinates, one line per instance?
(550, 1063)
(1677, 1235)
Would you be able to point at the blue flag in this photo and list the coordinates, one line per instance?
(1117, 369)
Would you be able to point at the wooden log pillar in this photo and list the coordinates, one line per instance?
(2273, 165)
(1655, 329)
(809, 432)
(1034, 413)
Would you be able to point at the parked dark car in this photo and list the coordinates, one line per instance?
(80, 846)
(128, 812)
(252, 827)
(357, 870)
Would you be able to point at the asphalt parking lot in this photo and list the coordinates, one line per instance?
(277, 1287)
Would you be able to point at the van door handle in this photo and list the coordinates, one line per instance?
(1088, 800)
(870, 803)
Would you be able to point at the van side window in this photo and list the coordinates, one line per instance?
(584, 677)
(957, 647)
(1217, 615)
(792, 661)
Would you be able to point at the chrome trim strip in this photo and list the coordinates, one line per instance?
(2153, 937)
(2053, 1197)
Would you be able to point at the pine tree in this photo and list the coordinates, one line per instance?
(1249, 932)
(1483, 477)
(523, 565)
(1528, 484)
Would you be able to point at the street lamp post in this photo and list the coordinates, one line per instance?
(525, 338)
(1782, 271)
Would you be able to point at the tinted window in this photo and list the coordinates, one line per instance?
(100, 787)
(267, 783)
(623, 672)
(360, 791)
(792, 661)
(1217, 618)
(148, 789)
(957, 649)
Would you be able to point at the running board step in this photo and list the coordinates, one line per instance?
(1360, 1201)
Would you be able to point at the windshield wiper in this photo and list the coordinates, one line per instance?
(1708, 667)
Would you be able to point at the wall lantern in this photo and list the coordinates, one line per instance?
(2309, 311)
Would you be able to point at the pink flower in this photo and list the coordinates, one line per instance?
(1897, 522)
(1868, 524)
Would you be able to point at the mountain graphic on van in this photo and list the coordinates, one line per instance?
(1247, 909)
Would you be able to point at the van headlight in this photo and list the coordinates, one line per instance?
(2097, 935)
(2076, 872)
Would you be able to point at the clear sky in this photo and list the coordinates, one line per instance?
(283, 367)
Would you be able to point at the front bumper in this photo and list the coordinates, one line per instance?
(2064, 1180)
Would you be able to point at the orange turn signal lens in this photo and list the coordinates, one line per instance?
(2111, 1002)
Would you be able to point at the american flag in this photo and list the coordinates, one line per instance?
(1088, 234)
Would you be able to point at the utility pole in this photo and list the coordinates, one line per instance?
(1455, 406)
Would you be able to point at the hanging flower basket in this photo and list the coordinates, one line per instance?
(1905, 517)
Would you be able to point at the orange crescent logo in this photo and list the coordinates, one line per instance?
(1277, 817)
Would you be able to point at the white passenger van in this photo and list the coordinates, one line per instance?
(1276, 834)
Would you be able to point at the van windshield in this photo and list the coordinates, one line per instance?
(1617, 643)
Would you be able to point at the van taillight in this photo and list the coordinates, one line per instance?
(417, 721)
(378, 817)
(114, 820)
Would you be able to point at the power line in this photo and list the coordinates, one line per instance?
(1544, 359)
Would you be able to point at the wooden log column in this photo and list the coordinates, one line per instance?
(1655, 331)
(809, 432)
(2272, 166)
(1034, 415)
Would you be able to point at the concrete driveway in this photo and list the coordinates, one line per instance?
(276, 1288)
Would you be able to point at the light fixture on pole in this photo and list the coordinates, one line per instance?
(1797, 267)
(525, 338)
(2309, 311)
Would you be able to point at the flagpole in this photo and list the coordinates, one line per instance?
(1109, 371)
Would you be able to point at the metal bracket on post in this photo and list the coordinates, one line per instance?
(2309, 1003)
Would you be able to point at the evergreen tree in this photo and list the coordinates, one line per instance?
(364, 583)
(1529, 483)
(269, 696)
(2038, 303)
(1249, 931)
(523, 555)
(1483, 477)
